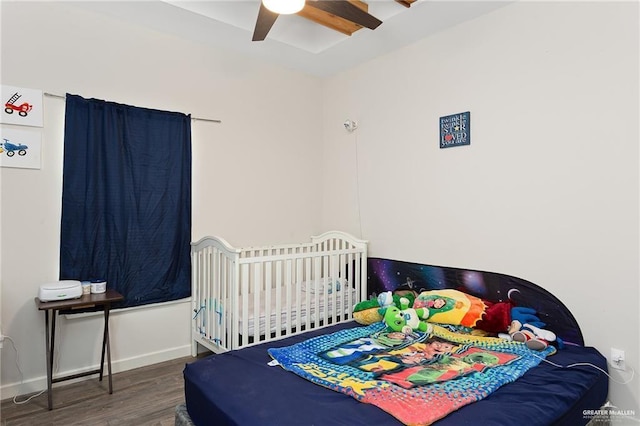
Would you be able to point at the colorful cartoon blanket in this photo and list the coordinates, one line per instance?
(417, 378)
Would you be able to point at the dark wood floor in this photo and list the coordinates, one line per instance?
(144, 396)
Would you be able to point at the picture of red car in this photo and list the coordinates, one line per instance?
(23, 109)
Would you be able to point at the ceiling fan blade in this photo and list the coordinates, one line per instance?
(406, 3)
(344, 9)
(265, 21)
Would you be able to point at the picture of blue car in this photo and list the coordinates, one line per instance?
(12, 148)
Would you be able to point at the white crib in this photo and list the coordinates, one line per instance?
(245, 296)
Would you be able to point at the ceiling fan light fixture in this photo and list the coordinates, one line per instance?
(284, 7)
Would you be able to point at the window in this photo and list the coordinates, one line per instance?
(126, 199)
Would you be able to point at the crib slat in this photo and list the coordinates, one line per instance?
(278, 307)
(326, 295)
(287, 284)
(215, 299)
(257, 289)
(304, 284)
(221, 298)
(210, 270)
(206, 296)
(244, 297)
(298, 296)
(338, 290)
(268, 289)
(317, 267)
(346, 289)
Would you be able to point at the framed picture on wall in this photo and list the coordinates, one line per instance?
(455, 130)
(21, 106)
(20, 148)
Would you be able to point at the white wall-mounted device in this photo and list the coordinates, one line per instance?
(350, 125)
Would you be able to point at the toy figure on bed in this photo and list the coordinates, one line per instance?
(405, 319)
(450, 306)
(368, 311)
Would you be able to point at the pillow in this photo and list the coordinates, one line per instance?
(450, 306)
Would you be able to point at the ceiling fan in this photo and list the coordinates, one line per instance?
(345, 16)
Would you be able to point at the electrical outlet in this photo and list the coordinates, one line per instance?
(617, 359)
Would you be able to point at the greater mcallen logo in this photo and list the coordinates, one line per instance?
(608, 412)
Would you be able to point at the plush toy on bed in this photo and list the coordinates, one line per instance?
(532, 334)
(450, 306)
(405, 319)
(368, 311)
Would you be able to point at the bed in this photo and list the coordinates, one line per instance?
(245, 296)
(241, 388)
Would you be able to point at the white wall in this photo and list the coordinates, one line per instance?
(548, 189)
(256, 176)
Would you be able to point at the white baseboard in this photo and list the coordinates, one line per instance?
(39, 383)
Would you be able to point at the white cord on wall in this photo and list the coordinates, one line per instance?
(358, 187)
(351, 126)
(17, 360)
(588, 364)
(15, 398)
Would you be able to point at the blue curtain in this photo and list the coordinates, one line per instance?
(126, 199)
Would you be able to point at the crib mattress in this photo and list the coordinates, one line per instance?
(341, 301)
(239, 388)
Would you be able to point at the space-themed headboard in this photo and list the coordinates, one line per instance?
(387, 275)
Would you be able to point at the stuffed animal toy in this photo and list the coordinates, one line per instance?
(368, 311)
(406, 319)
(450, 306)
(529, 329)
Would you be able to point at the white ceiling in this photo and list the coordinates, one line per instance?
(295, 42)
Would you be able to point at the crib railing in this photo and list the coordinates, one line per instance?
(242, 297)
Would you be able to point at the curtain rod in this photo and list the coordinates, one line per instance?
(192, 118)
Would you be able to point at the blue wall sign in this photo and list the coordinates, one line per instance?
(455, 130)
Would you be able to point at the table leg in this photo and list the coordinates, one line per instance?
(104, 343)
(106, 346)
(50, 341)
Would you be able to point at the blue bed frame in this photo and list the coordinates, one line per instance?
(240, 388)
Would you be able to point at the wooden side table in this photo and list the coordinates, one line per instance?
(86, 301)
